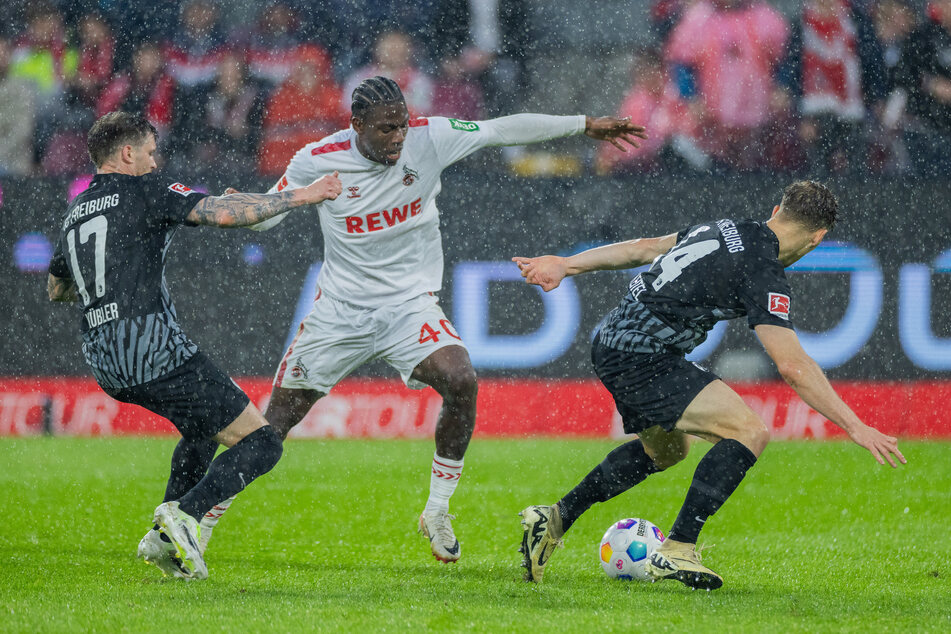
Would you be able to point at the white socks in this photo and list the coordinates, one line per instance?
(210, 520)
(442, 483)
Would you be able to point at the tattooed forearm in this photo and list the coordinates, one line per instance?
(241, 210)
(60, 289)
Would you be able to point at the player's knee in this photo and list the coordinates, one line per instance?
(669, 455)
(754, 433)
(462, 385)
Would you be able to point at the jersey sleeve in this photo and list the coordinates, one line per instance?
(170, 201)
(454, 139)
(767, 296)
(58, 266)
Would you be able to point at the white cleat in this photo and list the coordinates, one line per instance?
(161, 554)
(184, 532)
(436, 526)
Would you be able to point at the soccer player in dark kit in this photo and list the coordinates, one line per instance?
(709, 272)
(110, 257)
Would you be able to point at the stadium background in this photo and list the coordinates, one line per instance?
(872, 306)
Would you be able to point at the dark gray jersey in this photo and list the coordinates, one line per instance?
(718, 270)
(112, 244)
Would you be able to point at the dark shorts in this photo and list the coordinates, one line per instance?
(649, 389)
(197, 397)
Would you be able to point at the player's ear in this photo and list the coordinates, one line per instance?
(818, 236)
(775, 211)
(125, 154)
(357, 124)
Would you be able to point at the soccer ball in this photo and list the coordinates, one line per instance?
(625, 547)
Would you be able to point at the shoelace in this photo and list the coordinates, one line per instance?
(443, 528)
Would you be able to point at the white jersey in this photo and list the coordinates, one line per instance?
(382, 243)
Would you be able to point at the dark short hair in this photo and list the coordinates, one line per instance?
(114, 130)
(811, 204)
(374, 91)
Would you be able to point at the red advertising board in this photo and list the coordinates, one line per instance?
(381, 408)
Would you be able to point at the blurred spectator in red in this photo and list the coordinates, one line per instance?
(655, 101)
(43, 57)
(96, 49)
(664, 15)
(224, 137)
(16, 117)
(145, 88)
(457, 91)
(305, 108)
(825, 72)
(194, 51)
(276, 46)
(394, 56)
(730, 49)
(925, 73)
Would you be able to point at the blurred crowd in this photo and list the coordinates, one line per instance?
(843, 86)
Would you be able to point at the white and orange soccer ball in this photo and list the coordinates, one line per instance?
(625, 547)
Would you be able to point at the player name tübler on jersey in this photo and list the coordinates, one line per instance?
(102, 314)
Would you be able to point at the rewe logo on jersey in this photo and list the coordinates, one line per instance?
(178, 188)
(779, 305)
(464, 126)
(380, 220)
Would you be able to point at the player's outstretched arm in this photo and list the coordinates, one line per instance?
(61, 289)
(547, 271)
(806, 377)
(241, 210)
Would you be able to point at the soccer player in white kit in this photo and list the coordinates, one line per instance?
(383, 264)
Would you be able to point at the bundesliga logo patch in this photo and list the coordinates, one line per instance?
(178, 188)
(779, 305)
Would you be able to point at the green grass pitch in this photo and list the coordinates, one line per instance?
(818, 538)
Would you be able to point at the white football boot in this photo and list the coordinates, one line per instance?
(161, 554)
(185, 533)
(436, 526)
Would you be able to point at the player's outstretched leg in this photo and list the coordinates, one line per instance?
(719, 414)
(190, 461)
(626, 466)
(285, 409)
(449, 371)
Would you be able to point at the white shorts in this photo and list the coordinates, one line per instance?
(337, 337)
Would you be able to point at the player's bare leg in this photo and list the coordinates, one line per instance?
(448, 371)
(285, 409)
(717, 414)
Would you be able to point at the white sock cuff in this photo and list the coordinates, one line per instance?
(447, 462)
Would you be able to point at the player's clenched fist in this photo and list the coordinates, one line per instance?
(546, 271)
(326, 187)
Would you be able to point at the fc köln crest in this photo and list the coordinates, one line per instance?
(409, 176)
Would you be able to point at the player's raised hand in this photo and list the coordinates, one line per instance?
(327, 187)
(882, 447)
(231, 190)
(614, 131)
(546, 271)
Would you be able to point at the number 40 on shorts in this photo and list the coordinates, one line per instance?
(428, 333)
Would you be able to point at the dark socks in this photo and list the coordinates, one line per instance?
(716, 478)
(233, 470)
(190, 461)
(624, 467)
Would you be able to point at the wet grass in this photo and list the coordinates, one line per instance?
(819, 538)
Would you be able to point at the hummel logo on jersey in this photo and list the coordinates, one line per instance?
(410, 176)
(178, 188)
(779, 305)
(354, 192)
